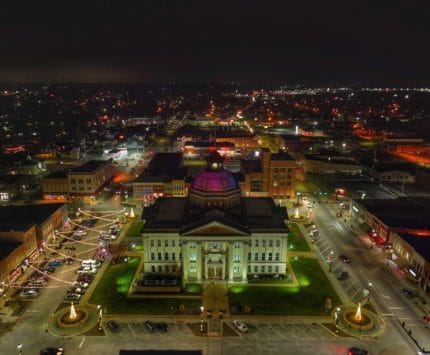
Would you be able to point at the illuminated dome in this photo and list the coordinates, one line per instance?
(214, 186)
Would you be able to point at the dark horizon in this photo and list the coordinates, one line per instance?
(196, 42)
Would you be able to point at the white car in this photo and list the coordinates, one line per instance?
(240, 326)
(309, 204)
(29, 294)
(86, 270)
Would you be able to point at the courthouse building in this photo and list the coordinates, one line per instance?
(214, 233)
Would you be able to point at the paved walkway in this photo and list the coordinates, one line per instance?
(215, 297)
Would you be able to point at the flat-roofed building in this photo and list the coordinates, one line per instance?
(272, 175)
(89, 178)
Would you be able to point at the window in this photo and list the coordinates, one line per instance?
(152, 256)
(269, 268)
(166, 256)
(153, 268)
(276, 268)
(256, 256)
(166, 243)
(255, 268)
(263, 268)
(88, 181)
(159, 256)
(167, 268)
(173, 243)
(193, 257)
(193, 269)
(160, 268)
(277, 256)
(152, 243)
(270, 256)
(81, 188)
(173, 256)
(159, 242)
(263, 243)
(249, 256)
(263, 256)
(81, 181)
(236, 257)
(256, 243)
(255, 185)
(89, 188)
(270, 243)
(278, 243)
(73, 181)
(236, 270)
(180, 256)
(249, 268)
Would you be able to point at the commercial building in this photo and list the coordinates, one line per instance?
(403, 224)
(164, 176)
(315, 163)
(215, 233)
(86, 180)
(272, 175)
(199, 149)
(403, 173)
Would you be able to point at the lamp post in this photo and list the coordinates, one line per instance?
(298, 198)
(370, 289)
(201, 318)
(336, 319)
(100, 309)
(330, 260)
(19, 347)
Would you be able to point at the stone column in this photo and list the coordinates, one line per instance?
(230, 262)
(199, 261)
(244, 263)
(206, 266)
(223, 267)
(184, 250)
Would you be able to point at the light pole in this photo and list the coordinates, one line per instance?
(298, 198)
(370, 288)
(330, 260)
(100, 309)
(336, 319)
(201, 318)
(19, 347)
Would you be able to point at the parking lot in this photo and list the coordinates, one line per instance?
(256, 331)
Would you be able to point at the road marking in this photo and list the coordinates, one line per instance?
(132, 330)
(386, 297)
(352, 284)
(395, 307)
(262, 330)
(387, 314)
(82, 342)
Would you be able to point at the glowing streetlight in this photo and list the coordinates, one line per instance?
(330, 260)
(19, 347)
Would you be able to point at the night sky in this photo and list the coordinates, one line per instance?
(198, 40)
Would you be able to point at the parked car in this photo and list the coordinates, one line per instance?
(408, 292)
(55, 263)
(29, 294)
(357, 351)
(37, 282)
(86, 270)
(69, 260)
(162, 327)
(52, 351)
(85, 278)
(113, 326)
(151, 326)
(343, 275)
(81, 284)
(240, 326)
(344, 259)
(73, 297)
(48, 269)
(70, 247)
(78, 290)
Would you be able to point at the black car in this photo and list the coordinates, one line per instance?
(162, 327)
(357, 351)
(52, 351)
(344, 259)
(408, 292)
(113, 326)
(343, 275)
(151, 326)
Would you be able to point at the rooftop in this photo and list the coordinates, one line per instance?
(57, 175)
(164, 167)
(90, 166)
(251, 165)
(7, 247)
(21, 217)
(281, 156)
(421, 244)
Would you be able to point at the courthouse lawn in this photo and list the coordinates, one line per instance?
(112, 290)
(134, 229)
(296, 240)
(308, 299)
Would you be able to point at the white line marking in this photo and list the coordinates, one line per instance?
(387, 314)
(82, 342)
(395, 307)
(131, 329)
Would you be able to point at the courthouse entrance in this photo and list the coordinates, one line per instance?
(214, 267)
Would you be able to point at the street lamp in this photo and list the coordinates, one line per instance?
(370, 288)
(201, 318)
(100, 309)
(19, 347)
(330, 260)
(336, 319)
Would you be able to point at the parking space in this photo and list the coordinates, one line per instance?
(281, 331)
(138, 329)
